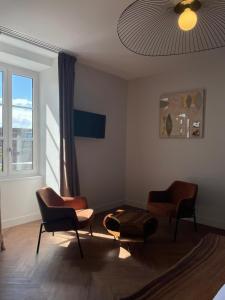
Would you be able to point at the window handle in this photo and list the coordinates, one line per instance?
(10, 153)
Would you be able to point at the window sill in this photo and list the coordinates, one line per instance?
(20, 178)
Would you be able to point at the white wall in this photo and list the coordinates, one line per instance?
(153, 163)
(18, 199)
(49, 126)
(101, 163)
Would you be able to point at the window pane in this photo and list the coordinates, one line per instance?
(22, 122)
(1, 155)
(22, 155)
(1, 101)
(1, 87)
(22, 91)
(1, 127)
(19, 133)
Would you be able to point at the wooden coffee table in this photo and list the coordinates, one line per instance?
(130, 225)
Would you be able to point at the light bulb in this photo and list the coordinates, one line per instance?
(187, 20)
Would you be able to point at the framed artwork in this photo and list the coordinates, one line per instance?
(182, 114)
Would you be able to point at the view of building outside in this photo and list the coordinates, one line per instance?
(22, 149)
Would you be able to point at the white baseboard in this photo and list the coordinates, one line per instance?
(20, 220)
(137, 204)
(200, 219)
(107, 206)
(211, 222)
(36, 216)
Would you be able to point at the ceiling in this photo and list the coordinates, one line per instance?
(88, 29)
(19, 53)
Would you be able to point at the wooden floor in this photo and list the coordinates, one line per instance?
(107, 271)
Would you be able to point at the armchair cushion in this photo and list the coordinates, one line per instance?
(84, 216)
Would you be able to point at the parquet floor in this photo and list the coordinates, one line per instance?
(107, 271)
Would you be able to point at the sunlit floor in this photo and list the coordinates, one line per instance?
(108, 270)
(63, 241)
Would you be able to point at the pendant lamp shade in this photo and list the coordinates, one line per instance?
(167, 27)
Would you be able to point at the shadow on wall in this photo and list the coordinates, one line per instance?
(52, 150)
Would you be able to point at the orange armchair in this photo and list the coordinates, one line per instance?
(178, 201)
(63, 213)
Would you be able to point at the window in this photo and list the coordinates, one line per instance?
(18, 125)
(1, 125)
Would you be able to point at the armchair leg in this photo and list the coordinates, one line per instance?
(79, 244)
(195, 222)
(176, 228)
(39, 238)
(91, 232)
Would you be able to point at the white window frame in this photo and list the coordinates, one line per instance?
(8, 71)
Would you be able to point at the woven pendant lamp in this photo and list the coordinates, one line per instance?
(167, 27)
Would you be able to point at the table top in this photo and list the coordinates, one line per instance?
(128, 224)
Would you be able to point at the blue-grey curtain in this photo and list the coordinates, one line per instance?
(69, 183)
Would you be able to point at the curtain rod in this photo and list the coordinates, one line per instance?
(30, 40)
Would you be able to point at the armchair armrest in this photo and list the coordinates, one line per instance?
(76, 203)
(185, 207)
(60, 218)
(56, 213)
(158, 196)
